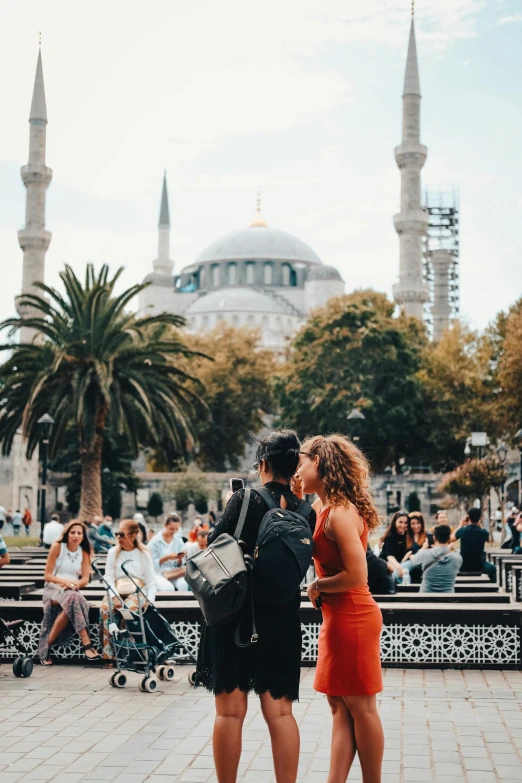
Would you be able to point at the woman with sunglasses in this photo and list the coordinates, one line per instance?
(271, 667)
(130, 552)
(67, 570)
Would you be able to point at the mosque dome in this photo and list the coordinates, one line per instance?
(323, 272)
(258, 242)
(157, 278)
(226, 300)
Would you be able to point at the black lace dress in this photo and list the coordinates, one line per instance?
(272, 664)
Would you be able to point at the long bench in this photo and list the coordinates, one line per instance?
(516, 582)
(465, 635)
(14, 591)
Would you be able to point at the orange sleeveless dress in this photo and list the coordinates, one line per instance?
(349, 657)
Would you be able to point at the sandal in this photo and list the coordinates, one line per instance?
(90, 646)
(48, 662)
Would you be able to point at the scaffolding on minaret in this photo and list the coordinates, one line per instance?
(442, 239)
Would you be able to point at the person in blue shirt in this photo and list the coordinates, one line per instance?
(5, 558)
(105, 529)
(439, 564)
(168, 551)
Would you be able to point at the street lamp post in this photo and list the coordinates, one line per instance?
(45, 424)
(354, 417)
(502, 453)
(518, 438)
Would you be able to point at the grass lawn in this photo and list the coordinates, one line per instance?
(21, 541)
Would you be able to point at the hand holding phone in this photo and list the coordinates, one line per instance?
(236, 484)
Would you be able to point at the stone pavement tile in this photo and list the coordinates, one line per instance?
(501, 747)
(67, 777)
(174, 765)
(88, 762)
(445, 755)
(131, 777)
(504, 759)
(411, 760)
(509, 773)
(44, 772)
(194, 776)
(24, 765)
(11, 777)
(478, 764)
(481, 777)
(443, 768)
(471, 740)
(413, 775)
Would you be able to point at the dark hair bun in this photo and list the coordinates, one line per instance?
(280, 451)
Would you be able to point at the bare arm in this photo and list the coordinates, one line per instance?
(345, 527)
(5, 559)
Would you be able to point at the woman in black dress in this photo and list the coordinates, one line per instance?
(270, 667)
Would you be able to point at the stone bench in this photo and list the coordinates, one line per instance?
(16, 590)
(516, 582)
(460, 587)
(505, 569)
(427, 635)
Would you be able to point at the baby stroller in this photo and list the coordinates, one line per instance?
(22, 664)
(146, 644)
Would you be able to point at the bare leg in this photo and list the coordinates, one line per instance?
(231, 709)
(343, 741)
(59, 626)
(369, 736)
(284, 736)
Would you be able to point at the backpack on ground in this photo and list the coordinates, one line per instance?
(283, 552)
(219, 575)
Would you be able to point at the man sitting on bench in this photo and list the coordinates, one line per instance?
(473, 539)
(440, 565)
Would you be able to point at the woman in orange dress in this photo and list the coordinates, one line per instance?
(349, 661)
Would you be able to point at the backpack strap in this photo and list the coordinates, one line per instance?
(242, 515)
(267, 497)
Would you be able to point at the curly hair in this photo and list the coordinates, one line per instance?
(345, 474)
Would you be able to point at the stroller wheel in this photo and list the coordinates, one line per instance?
(27, 667)
(168, 673)
(118, 680)
(17, 666)
(148, 685)
(192, 678)
(160, 672)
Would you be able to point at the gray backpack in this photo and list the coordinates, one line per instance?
(219, 577)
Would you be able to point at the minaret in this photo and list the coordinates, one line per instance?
(441, 261)
(163, 264)
(34, 239)
(411, 292)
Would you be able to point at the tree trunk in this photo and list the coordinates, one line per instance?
(91, 462)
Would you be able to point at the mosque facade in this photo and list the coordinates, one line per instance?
(254, 277)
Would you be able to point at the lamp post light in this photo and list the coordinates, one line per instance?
(45, 424)
(502, 453)
(518, 438)
(355, 416)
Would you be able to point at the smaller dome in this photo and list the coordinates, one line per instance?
(321, 272)
(234, 300)
(156, 278)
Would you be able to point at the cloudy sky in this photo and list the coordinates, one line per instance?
(301, 98)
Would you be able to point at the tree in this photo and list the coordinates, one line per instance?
(117, 471)
(458, 392)
(355, 354)
(191, 486)
(95, 365)
(474, 479)
(155, 505)
(238, 392)
(509, 330)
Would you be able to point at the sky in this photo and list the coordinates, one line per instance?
(299, 98)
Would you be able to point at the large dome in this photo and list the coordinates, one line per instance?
(235, 299)
(258, 242)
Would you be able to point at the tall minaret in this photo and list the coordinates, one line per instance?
(441, 261)
(411, 292)
(34, 239)
(163, 264)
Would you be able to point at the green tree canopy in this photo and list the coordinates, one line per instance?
(354, 353)
(94, 364)
(237, 390)
(473, 479)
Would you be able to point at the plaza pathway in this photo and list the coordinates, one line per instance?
(67, 725)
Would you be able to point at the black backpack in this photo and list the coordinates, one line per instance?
(283, 552)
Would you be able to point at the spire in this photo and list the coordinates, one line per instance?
(258, 221)
(164, 218)
(411, 78)
(38, 107)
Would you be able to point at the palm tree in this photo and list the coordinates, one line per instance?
(93, 364)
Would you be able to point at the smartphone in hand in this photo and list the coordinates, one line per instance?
(236, 484)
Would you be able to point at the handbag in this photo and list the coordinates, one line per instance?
(126, 587)
(219, 578)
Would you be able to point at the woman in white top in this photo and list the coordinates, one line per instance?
(66, 571)
(131, 552)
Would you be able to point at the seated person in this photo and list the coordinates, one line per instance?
(440, 565)
(100, 544)
(380, 575)
(52, 531)
(420, 539)
(67, 570)
(200, 543)
(168, 552)
(396, 543)
(5, 557)
(517, 530)
(105, 529)
(473, 539)
(131, 552)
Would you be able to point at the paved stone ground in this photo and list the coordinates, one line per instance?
(66, 725)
